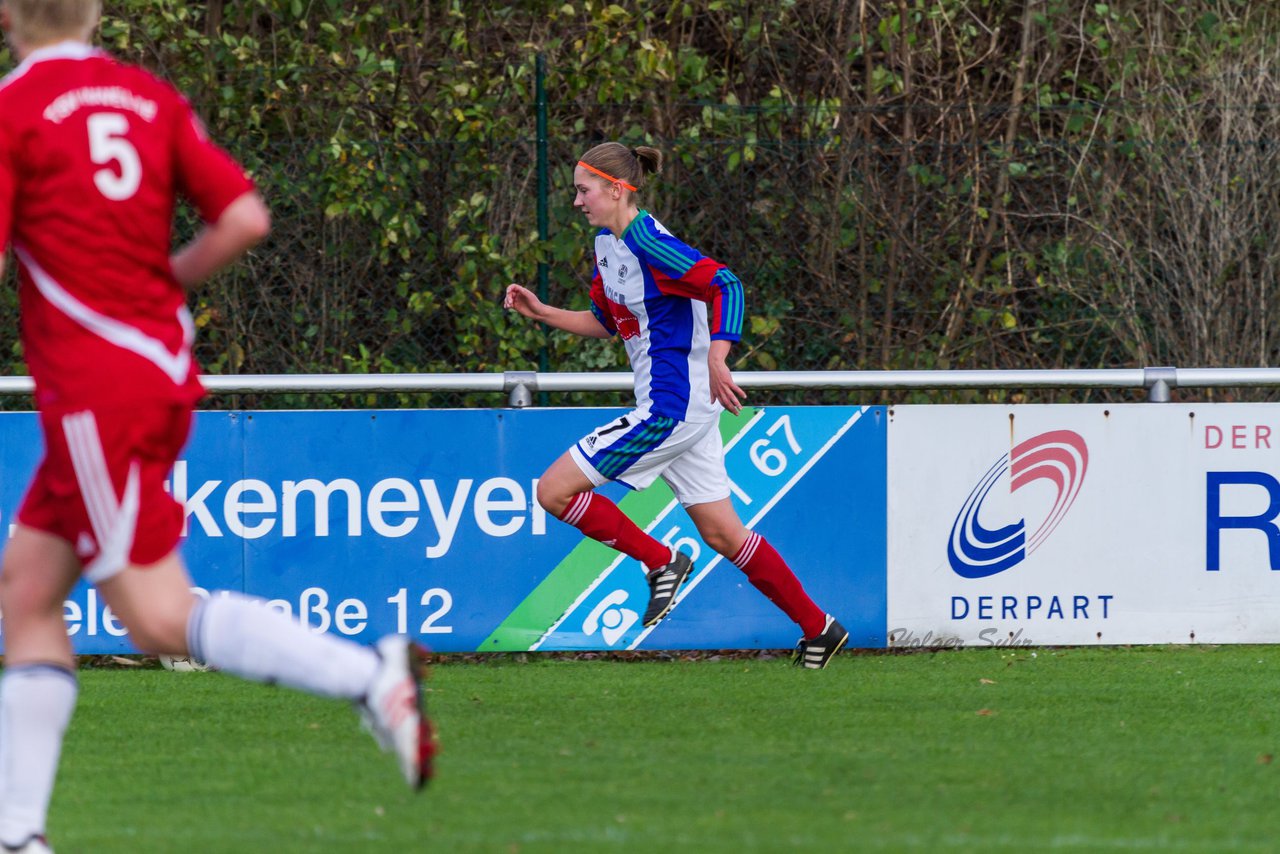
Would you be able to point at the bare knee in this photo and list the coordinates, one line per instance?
(724, 541)
(39, 571)
(553, 500)
(560, 484)
(28, 593)
(719, 525)
(159, 633)
(32, 594)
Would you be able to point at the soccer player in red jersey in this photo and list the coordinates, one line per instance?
(93, 155)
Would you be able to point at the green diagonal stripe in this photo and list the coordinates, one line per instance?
(563, 584)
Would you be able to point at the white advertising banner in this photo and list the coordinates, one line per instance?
(1083, 524)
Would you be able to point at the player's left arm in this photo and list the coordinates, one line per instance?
(723, 388)
(241, 226)
(235, 216)
(685, 272)
(724, 299)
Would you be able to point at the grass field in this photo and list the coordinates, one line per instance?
(1161, 749)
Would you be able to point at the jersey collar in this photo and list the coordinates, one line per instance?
(640, 214)
(70, 49)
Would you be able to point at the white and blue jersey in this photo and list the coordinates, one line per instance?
(668, 302)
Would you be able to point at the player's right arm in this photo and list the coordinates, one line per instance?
(526, 302)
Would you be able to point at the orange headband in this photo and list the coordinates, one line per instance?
(606, 176)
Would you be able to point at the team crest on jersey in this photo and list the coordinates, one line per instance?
(622, 273)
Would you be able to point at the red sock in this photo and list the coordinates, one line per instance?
(769, 573)
(601, 520)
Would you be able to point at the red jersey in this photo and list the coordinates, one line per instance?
(93, 153)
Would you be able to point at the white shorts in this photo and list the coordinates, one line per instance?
(639, 447)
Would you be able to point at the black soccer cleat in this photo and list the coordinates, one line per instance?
(663, 585)
(818, 651)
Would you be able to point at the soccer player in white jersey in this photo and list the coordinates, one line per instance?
(678, 314)
(93, 154)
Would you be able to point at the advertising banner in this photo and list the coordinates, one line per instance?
(1083, 524)
(426, 523)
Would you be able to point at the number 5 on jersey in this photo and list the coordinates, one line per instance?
(108, 146)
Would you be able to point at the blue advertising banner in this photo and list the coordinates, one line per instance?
(426, 522)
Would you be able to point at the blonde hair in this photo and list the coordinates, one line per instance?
(625, 164)
(38, 22)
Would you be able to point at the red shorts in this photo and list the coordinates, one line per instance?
(101, 483)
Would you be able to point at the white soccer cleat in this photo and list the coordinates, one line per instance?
(34, 845)
(392, 711)
(182, 664)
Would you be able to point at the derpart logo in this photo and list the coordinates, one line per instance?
(1059, 458)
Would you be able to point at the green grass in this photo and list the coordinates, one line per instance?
(1161, 749)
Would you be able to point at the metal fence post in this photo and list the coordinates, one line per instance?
(1159, 382)
(519, 386)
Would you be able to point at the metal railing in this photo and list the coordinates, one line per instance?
(521, 386)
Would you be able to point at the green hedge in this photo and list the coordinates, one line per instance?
(902, 185)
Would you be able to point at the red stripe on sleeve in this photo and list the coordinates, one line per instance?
(715, 312)
(695, 284)
(600, 303)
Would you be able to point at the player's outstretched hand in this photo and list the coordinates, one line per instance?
(523, 300)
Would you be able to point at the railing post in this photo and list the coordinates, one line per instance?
(1159, 382)
(520, 386)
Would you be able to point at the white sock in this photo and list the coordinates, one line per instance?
(242, 636)
(36, 701)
